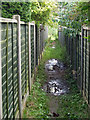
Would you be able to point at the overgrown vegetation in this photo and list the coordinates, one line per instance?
(71, 105)
(74, 14)
(37, 102)
(36, 106)
(43, 12)
(71, 15)
(16, 8)
(40, 12)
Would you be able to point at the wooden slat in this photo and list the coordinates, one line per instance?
(21, 22)
(29, 48)
(7, 20)
(34, 52)
(0, 78)
(17, 17)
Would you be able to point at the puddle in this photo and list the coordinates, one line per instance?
(55, 85)
(50, 65)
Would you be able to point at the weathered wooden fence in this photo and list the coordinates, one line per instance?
(20, 50)
(78, 48)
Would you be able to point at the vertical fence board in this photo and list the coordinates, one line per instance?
(82, 44)
(34, 46)
(39, 44)
(9, 72)
(17, 17)
(1, 116)
(32, 49)
(23, 62)
(29, 60)
(36, 30)
(3, 56)
(14, 65)
(88, 66)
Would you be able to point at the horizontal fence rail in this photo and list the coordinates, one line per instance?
(21, 46)
(78, 48)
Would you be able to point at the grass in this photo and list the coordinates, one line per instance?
(71, 105)
(37, 102)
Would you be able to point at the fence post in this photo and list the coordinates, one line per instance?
(39, 45)
(75, 51)
(88, 48)
(29, 48)
(34, 51)
(0, 78)
(34, 47)
(82, 39)
(17, 17)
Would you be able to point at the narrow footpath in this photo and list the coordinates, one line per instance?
(55, 84)
(54, 93)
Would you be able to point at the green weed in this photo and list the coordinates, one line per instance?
(71, 105)
(37, 102)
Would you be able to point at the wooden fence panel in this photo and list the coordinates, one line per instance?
(19, 54)
(23, 59)
(78, 48)
(37, 44)
(15, 68)
(9, 72)
(88, 65)
(0, 78)
(32, 49)
(3, 56)
(27, 58)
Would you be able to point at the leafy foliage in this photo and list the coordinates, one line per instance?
(74, 102)
(16, 8)
(40, 12)
(73, 14)
(43, 12)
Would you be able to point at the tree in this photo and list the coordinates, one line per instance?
(43, 12)
(73, 14)
(40, 12)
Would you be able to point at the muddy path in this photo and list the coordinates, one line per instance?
(55, 85)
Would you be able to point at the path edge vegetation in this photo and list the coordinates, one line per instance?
(37, 102)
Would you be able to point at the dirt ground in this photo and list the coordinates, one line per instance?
(55, 85)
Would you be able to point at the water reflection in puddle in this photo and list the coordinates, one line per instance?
(55, 84)
(56, 87)
(52, 63)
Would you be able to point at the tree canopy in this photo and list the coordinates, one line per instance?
(16, 8)
(73, 14)
(40, 12)
(43, 12)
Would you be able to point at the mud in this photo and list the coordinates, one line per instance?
(55, 84)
